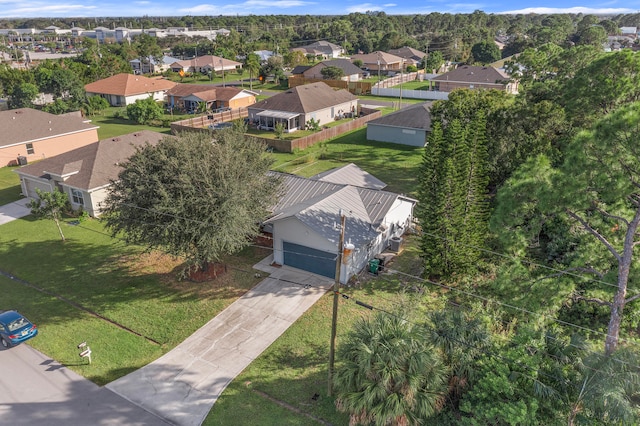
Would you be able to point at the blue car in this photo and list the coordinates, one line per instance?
(15, 329)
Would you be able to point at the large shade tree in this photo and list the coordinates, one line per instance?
(193, 196)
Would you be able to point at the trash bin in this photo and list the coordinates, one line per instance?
(373, 266)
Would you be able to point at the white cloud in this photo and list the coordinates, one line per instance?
(579, 9)
(363, 7)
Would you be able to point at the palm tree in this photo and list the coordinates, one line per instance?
(389, 374)
(252, 63)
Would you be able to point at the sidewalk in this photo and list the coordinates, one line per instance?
(182, 385)
(13, 211)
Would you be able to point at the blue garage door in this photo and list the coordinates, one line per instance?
(309, 259)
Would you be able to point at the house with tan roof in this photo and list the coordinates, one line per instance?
(475, 77)
(124, 89)
(385, 62)
(298, 105)
(29, 135)
(205, 64)
(188, 97)
(85, 173)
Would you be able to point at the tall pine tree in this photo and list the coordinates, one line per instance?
(453, 209)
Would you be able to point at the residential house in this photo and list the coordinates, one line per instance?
(408, 126)
(475, 77)
(29, 135)
(384, 62)
(85, 173)
(322, 49)
(295, 107)
(410, 55)
(350, 71)
(124, 89)
(188, 97)
(206, 64)
(305, 223)
(629, 32)
(150, 65)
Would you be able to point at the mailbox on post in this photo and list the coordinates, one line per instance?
(85, 351)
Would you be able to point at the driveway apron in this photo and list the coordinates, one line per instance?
(182, 385)
(13, 211)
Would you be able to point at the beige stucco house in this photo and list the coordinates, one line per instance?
(28, 135)
(84, 174)
(298, 105)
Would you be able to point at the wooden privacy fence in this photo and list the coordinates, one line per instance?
(204, 121)
(202, 124)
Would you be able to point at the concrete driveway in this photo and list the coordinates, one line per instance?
(13, 211)
(37, 391)
(183, 385)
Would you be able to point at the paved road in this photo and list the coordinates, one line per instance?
(37, 391)
(183, 385)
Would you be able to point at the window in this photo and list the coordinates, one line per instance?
(30, 149)
(76, 196)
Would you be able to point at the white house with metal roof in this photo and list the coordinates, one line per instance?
(305, 222)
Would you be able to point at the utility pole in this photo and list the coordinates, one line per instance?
(336, 290)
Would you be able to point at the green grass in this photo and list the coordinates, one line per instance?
(9, 185)
(294, 368)
(120, 282)
(396, 165)
(110, 126)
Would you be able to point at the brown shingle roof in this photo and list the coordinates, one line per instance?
(306, 98)
(128, 84)
(207, 61)
(95, 165)
(204, 91)
(29, 125)
(408, 53)
(473, 74)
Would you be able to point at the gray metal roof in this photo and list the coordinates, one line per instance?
(352, 175)
(317, 204)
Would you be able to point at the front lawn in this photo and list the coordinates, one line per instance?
(130, 289)
(9, 185)
(287, 384)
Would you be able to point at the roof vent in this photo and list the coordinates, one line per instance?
(115, 140)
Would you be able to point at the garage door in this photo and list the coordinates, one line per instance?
(309, 259)
(31, 186)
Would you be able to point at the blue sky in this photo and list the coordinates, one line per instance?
(126, 8)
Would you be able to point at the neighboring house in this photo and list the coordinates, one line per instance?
(188, 97)
(350, 71)
(384, 62)
(475, 77)
(629, 32)
(323, 49)
(29, 135)
(295, 107)
(305, 223)
(409, 126)
(85, 173)
(150, 65)
(206, 64)
(124, 89)
(264, 55)
(412, 56)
